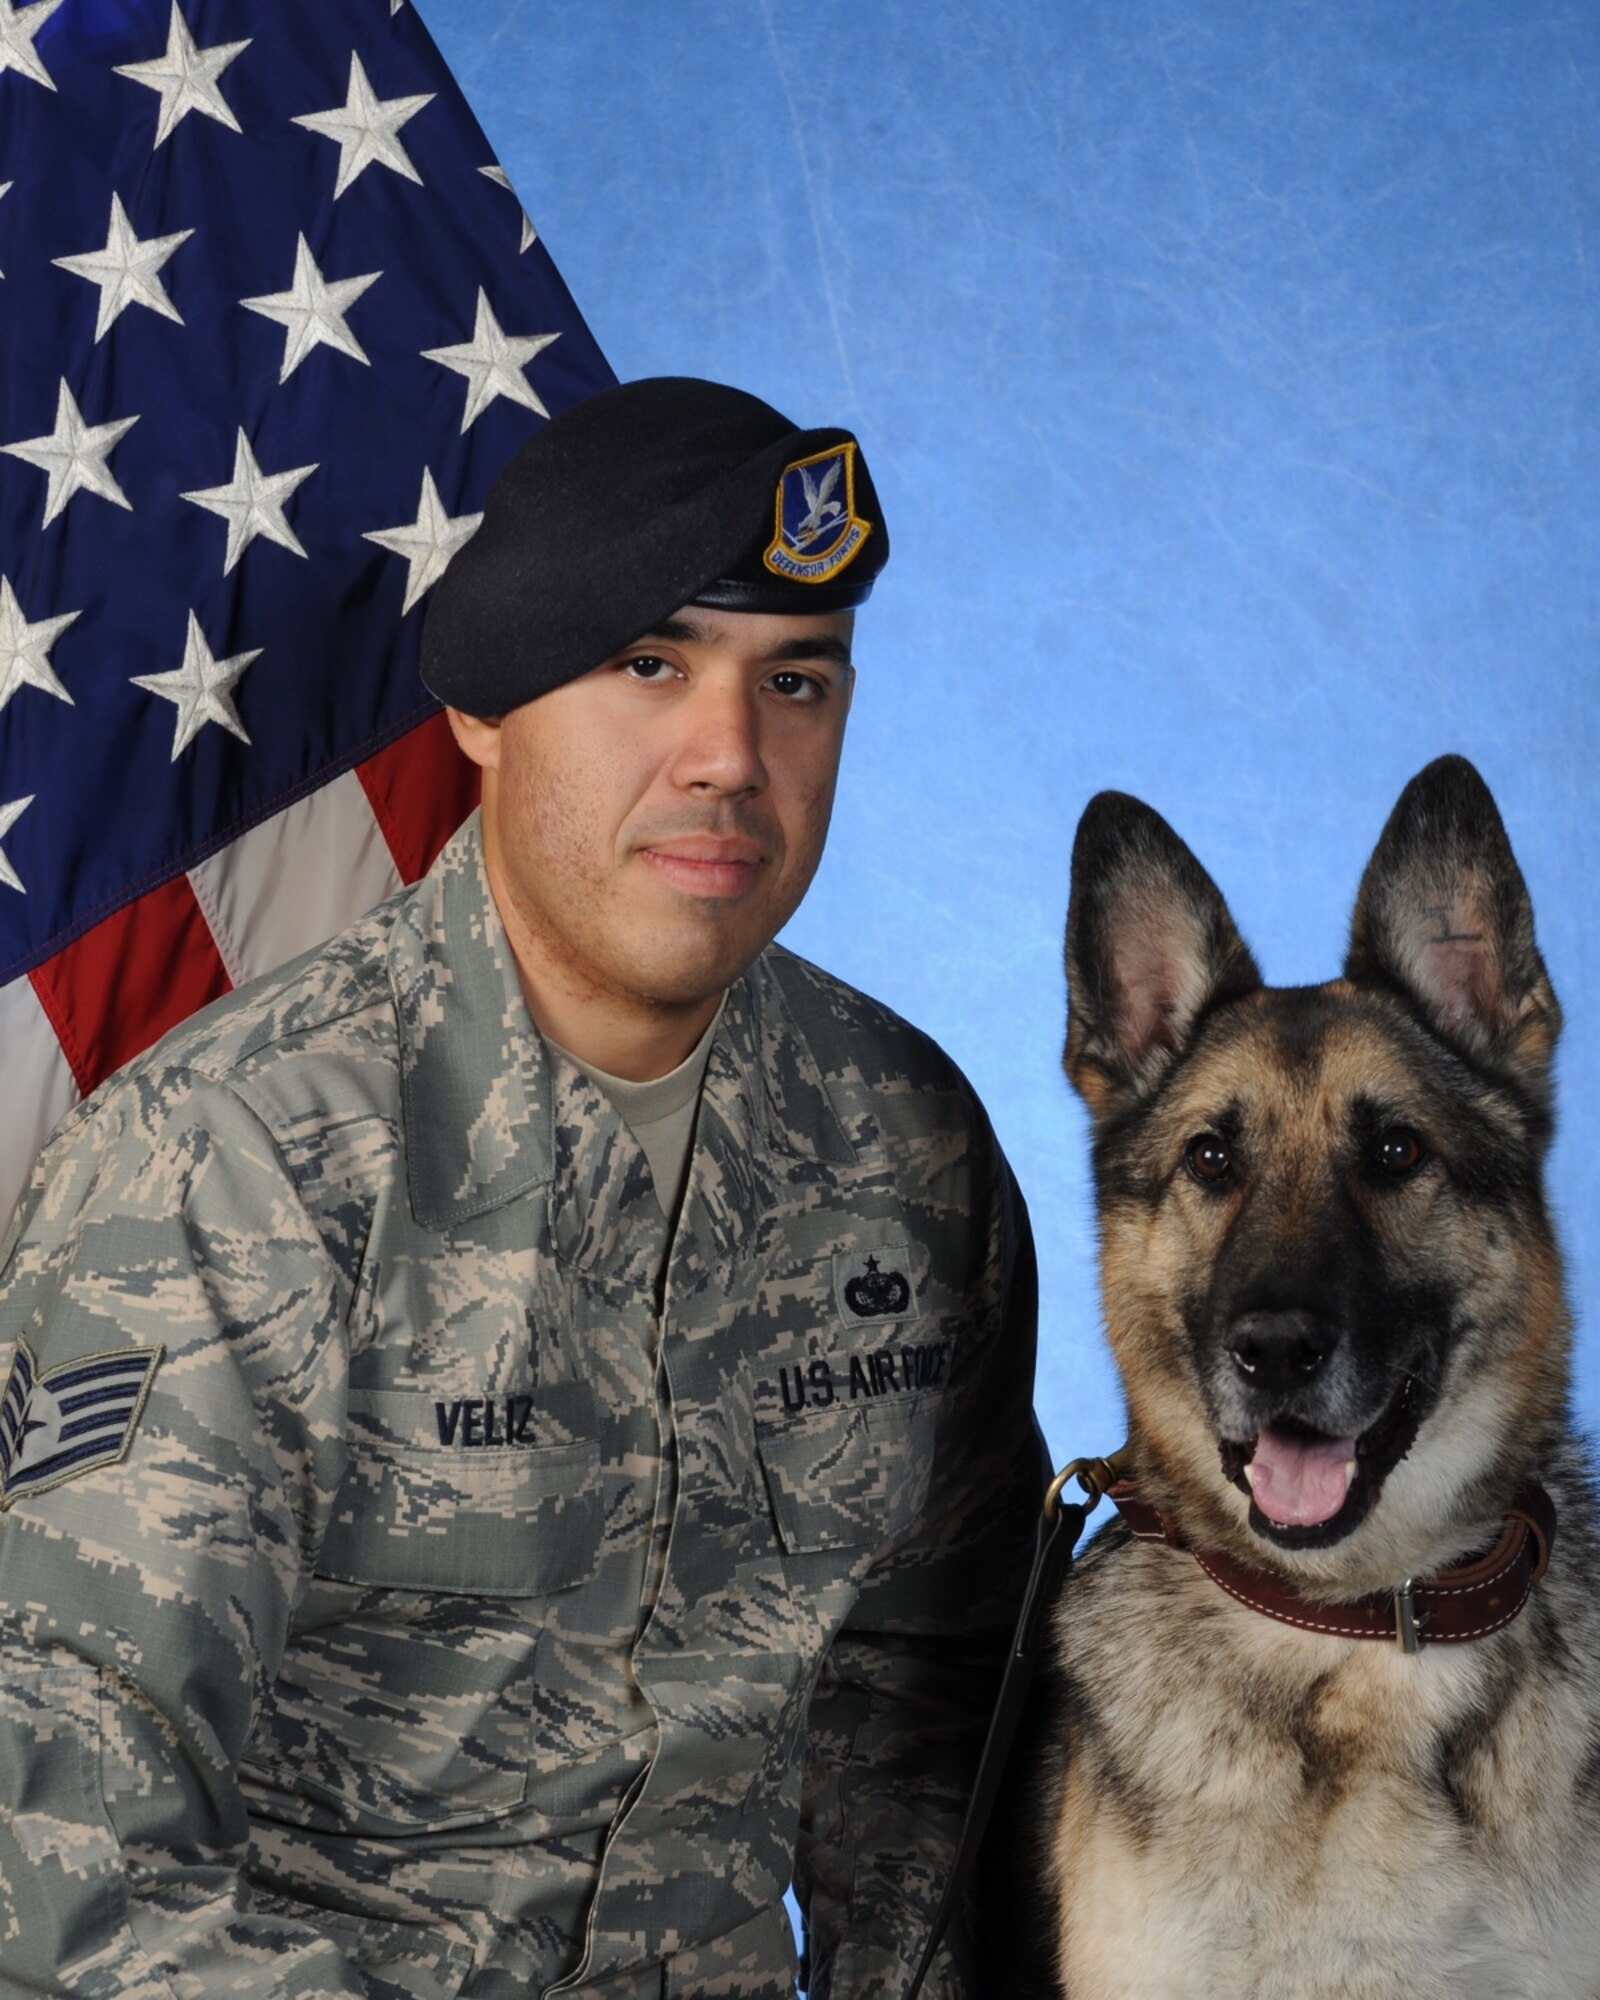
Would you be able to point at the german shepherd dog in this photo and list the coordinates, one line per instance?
(1334, 1295)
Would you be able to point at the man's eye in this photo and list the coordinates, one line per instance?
(647, 667)
(795, 686)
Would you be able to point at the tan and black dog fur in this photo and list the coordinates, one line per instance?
(1325, 1245)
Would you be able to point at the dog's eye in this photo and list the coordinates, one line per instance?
(1208, 1158)
(1399, 1152)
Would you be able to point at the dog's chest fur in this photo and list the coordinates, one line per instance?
(1249, 1811)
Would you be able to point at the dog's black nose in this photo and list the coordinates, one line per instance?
(1279, 1351)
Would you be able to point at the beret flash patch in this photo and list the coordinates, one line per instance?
(70, 1419)
(819, 531)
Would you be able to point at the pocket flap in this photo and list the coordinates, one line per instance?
(509, 1506)
(842, 1477)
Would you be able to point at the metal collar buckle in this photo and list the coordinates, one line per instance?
(1408, 1623)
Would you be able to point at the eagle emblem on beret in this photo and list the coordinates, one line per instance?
(818, 530)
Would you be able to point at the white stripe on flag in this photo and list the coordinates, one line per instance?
(295, 879)
(38, 1089)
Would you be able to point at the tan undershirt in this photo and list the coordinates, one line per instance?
(660, 1114)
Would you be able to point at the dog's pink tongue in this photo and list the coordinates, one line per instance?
(1300, 1481)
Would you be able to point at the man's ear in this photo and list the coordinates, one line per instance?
(478, 736)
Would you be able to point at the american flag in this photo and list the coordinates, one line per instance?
(271, 319)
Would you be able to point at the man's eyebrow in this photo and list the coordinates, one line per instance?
(807, 646)
(822, 646)
(685, 630)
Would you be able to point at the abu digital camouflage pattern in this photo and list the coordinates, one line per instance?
(493, 1597)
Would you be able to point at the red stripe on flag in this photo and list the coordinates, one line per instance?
(121, 986)
(420, 789)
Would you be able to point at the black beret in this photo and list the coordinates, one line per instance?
(626, 507)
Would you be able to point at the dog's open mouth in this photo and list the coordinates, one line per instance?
(1308, 1489)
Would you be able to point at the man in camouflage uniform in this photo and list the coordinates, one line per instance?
(518, 1438)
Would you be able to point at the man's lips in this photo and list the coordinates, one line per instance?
(705, 864)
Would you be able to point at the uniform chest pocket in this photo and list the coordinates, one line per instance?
(405, 1698)
(494, 1497)
(853, 1475)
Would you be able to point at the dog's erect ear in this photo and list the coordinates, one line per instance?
(1150, 948)
(1443, 916)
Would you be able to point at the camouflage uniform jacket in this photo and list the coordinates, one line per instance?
(417, 1577)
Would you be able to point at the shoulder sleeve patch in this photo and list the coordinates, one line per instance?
(68, 1420)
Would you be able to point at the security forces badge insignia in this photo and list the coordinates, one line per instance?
(874, 1287)
(70, 1419)
(818, 529)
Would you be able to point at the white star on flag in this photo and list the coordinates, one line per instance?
(493, 362)
(502, 179)
(25, 648)
(199, 689)
(125, 270)
(252, 503)
(9, 815)
(427, 543)
(18, 26)
(365, 128)
(186, 77)
(313, 311)
(73, 456)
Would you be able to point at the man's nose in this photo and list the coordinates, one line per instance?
(720, 749)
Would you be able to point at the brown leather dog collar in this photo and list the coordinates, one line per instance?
(1467, 1602)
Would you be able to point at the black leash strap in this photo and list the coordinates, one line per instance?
(1060, 1525)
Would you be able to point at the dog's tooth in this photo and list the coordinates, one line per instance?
(1250, 1475)
(1349, 1474)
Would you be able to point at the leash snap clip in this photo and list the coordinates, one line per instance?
(1407, 1623)
(1094, 1475)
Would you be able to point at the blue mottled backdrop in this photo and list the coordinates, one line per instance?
(1228, 370)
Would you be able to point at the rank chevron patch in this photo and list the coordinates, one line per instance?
(68, 1420)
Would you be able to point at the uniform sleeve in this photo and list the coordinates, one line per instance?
(905, 1696)
(170, 1439)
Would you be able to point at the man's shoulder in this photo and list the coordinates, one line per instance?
(853, 1037)
(333, 999)
(317, 1031)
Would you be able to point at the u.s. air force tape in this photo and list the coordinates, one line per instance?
(66, 1421)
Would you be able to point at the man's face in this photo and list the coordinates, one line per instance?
(652, 825)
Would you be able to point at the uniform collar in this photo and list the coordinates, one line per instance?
(474, 1082)
(477, 1086)
(764, 1042)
